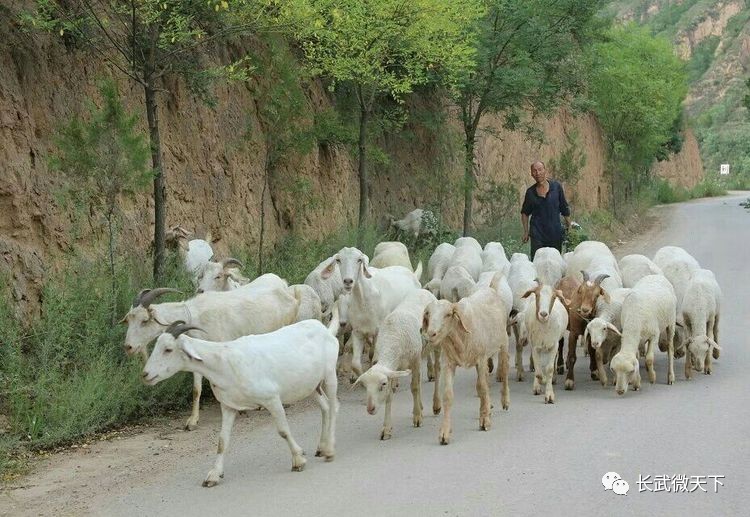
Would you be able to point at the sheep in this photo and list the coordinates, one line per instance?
(549, 265)
(506, 295)
(521, 277)
(603, 332)
(223, 315)
(546, 320)
(223, 276)
(309, 303)
(468, 241)
(414, 222)
(375, 293)
(391, 253)
(437, 266)
(466, 333)
(195, 253)
(398, 353)
(700, 316)
(635, 267)
(595, 258)
(678, 266)
(494, 258)
(456, 284)
(270, 370)
(328, 289)
(468, 255)
(648, 316)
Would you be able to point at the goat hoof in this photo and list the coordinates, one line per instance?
(444, 438)
(385, 434)
(569, 384)
(436, 410)
(299, 466)
(549, 400)
(430, 378)
(190, 427)
(715, 353)
(318, 453)
(330, 457)
(594, 375)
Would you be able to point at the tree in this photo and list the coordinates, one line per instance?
(145, 40)
(526, 60)
(637, 85)
(105, 158)
(383, 49)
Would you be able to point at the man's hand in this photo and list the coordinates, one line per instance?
(525, 238)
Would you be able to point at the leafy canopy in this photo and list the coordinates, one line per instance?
(389, 46)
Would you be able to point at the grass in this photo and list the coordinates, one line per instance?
(665, 193)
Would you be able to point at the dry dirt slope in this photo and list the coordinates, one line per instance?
(214, 157)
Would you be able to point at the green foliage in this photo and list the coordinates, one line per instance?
(65, 375)
(702, 57)
(665, 192)
(526, 61)
(387, 47)
(637, 85)
(104, 157)
(568, 164)
(497, 200)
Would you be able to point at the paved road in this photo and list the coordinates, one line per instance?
(537, 459)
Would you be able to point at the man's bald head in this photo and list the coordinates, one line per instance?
(536, 164)
(538, 172)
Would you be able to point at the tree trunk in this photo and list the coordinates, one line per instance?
(468, 181)
(110, 216)
(160, 191)
(263, 216)
(363, 115)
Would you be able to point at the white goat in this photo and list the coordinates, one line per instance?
(398, 352)
(604, 331)
(309, 307)
(224, 276)
(546, 319)
(328, 289)
(467, 334)
(700, 315)
(648, 317)
(437, 266)
(678, 266)
(195, 253)
(223, 315)
(494, 258)
(457, 283)
(374, 294)
(596, 259)
(413, 222)
(502, 287)
(391, 253)
(468, 255)
(270, 370)
(520, 279)
(635, 267)
(549, 265)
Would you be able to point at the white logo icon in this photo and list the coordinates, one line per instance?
(620, 487)
(609, 478)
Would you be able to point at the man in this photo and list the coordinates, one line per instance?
(544, 202)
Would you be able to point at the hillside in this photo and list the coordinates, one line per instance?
(713, 36)
(214, 158)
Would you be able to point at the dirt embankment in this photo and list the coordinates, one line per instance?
(214, 163)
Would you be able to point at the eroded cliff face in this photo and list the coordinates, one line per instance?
(214, 161)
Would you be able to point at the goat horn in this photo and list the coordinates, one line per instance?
(600, 278)
(231, 261)
(139, 297)
(180, 327)
(585, 276)
(152, 294)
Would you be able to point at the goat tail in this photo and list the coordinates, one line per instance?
(333, 326)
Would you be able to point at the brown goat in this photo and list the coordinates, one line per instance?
(583, 297)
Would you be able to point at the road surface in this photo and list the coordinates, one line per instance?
(536, 460)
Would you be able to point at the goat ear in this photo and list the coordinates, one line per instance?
(678, 324)
(605, 295)
(457, 316)
(398, 373)
(713, 344)
(365, 265)
(614, 329)
(186, 347)
(124, 320)
(357, 382)
(561, 297)
(328, 270)
(528, 293)
(425, 320)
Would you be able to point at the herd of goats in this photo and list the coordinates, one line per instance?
(266, 343)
